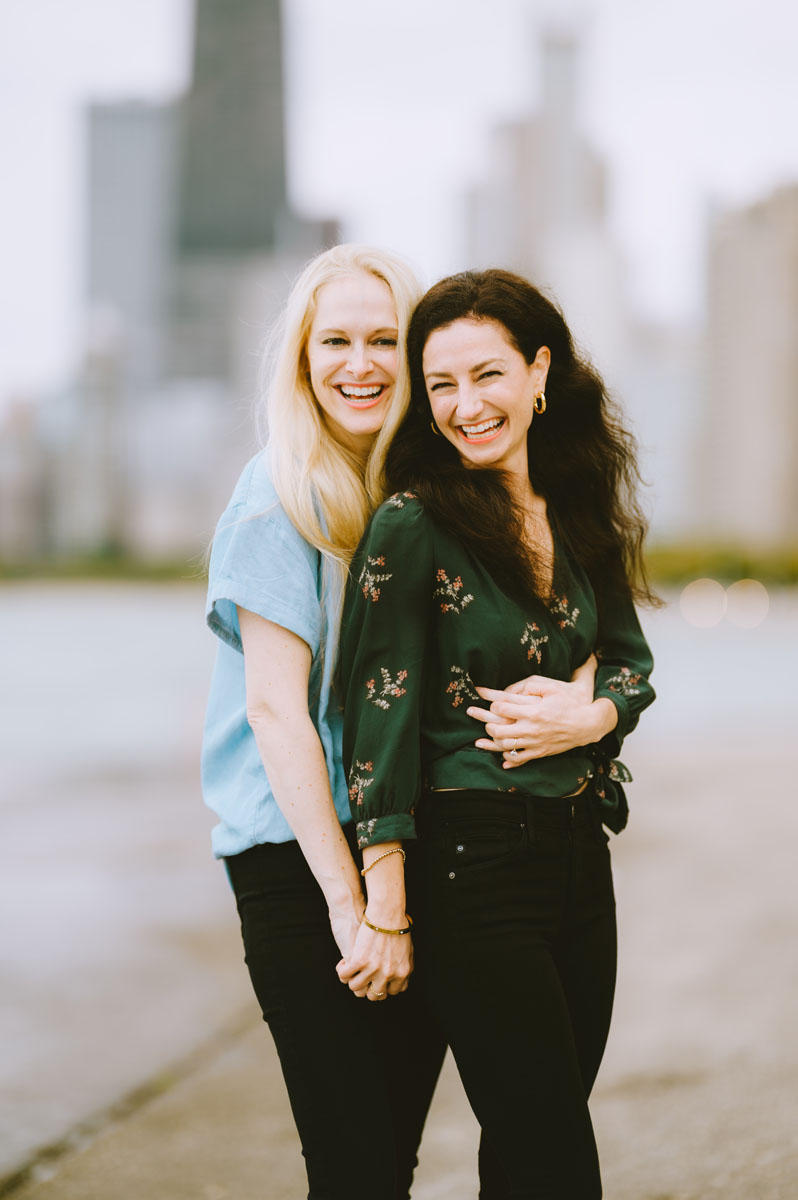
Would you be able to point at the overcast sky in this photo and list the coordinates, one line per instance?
(692, 103)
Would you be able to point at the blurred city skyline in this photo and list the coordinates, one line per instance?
(197, 209)
(389, 116)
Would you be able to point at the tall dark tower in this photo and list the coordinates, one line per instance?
(232, 196)
(237, 239)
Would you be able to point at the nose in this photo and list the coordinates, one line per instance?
(469, 403)
(359, 362)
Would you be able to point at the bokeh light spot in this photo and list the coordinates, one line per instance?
(747, 603)
(703, 603)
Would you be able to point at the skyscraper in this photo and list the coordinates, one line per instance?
(749, 464)
(237, 235)
(540, 210)
(232, 184)
(192, 245)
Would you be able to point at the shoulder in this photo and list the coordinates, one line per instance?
(255, 514)
(401, 511)
(398, 538)
(254, 491)
(255, 540)
(401, 520)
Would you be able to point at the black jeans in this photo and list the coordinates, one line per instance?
(516, 952)
(360, 1075)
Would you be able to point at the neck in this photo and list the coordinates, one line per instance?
(524, 494)
(358, 446)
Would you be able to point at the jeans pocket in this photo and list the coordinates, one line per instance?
(472, 846)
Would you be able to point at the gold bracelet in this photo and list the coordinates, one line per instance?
(396, 850)
(377, 929)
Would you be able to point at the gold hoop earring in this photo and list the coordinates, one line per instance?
(435, 429)
(539, 403)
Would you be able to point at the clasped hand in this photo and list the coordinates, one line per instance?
(538, 716)
(379, 964)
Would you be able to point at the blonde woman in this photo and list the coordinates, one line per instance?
(360, 1076)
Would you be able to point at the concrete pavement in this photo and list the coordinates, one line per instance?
(136, 1050)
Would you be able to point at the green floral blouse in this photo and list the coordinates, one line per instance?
(423, 623)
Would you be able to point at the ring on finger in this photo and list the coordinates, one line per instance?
(374, 991)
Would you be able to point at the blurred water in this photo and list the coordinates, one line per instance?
(724, 682)
(101, 677)
(98, 677)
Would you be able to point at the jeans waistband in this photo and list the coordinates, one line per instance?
(538, 812)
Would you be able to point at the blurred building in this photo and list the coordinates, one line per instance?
(133, 150)
(23, 482)
(237, 236)
(749, 448)
(191, 246)
(541, 210)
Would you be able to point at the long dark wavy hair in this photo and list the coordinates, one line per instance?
(582, 459)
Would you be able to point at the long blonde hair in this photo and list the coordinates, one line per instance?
(325, 490)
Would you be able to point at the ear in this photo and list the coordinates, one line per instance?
(540, 367)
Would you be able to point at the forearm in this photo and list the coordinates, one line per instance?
(625, 664)
(385, 885)
(294, 762)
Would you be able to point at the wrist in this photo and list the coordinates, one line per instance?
(345, 898)
(398, 930)
(603, 717)
(389, 911)
(387, 923)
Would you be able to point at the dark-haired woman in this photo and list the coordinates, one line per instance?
(512, 542)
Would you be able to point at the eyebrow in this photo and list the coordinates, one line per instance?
(475, 368)
(374, 332)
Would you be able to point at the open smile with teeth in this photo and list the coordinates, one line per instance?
(363, 396)
(483, 432)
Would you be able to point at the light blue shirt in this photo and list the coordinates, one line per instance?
(260, 562)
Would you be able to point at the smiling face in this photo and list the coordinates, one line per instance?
(482, 392)
(353, 357)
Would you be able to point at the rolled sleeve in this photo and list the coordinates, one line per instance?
(259, 562)
(625, 664)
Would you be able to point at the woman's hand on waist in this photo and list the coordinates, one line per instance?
(549, 717)
(583, 681)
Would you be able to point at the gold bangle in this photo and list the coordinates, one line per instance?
(377, 928)
(396, 850)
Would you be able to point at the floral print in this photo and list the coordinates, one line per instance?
(462, 687)
(533, 639)
(423, 620)
(558, 607)
(364, 830)
(369, 579)
(398, 499)
(390, 687)
(607, 769)
(359, 782)
(451, 589)
(618, 773)
(624, 683)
